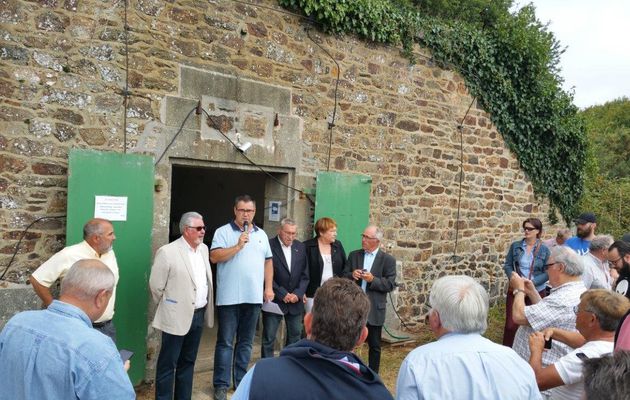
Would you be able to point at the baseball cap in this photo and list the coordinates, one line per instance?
(585, 218)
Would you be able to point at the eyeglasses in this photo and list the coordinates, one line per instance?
(197, 228)
(244, 211)
(368, 237)
(529, 228)
(613, 262)
(550, 264)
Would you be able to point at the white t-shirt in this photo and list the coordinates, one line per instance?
(569, 368)
(327, 272)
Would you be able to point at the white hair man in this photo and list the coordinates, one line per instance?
(181, 286)
(556, 310)
(462, 364)
(596, 273)
(98, 238)
(56, 354)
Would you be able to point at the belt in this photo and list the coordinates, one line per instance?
(101, 324)
(202, 309)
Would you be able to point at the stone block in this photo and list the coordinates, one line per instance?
(174, 110)
(14, 299)
(194, 83)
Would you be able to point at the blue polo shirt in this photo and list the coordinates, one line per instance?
(241, 279)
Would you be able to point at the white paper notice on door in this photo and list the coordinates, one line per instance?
(112, 208)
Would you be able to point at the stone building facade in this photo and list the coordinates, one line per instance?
(264, 77)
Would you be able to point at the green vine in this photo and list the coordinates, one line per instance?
(509, 61)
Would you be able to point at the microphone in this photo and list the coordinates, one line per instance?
(245, 226)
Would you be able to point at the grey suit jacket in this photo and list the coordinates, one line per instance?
(173, 288)
(384, 271)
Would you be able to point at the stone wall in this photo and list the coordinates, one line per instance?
(62, 85)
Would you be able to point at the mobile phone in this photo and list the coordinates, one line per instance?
(548, 344)
(125, 354)
(581, 356)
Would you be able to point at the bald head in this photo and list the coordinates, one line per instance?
(99, 234)
(89, 285)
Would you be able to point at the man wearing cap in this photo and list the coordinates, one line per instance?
(586, 224)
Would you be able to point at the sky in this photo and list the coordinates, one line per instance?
(596, 63)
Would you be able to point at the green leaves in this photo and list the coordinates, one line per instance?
(509, 61)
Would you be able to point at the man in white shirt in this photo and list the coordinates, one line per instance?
(98, 238)
(597, 318)
(596, 273)
(462, 364)
(181, 286)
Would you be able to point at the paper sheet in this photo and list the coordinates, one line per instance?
(270, 306)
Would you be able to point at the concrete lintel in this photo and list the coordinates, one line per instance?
(195, 83)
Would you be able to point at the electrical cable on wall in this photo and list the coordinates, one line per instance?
(198, 110)
(126, 91)
(331, 124)
(17, 246)
(460, 128)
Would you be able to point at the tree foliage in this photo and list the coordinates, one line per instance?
(607, 183)
(509, 61)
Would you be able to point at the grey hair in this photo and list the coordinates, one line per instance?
(564, 233)
(94, 227)
(287, 221)
(607, 377)
(86, 278)
(566, 256)
(378, 233)
(601, 242)
(186, 218)
(461, 302)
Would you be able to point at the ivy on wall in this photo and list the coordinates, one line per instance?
(509, 62)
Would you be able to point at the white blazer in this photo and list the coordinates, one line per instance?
(173, 288)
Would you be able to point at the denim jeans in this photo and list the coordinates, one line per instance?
(271, 322)
(230, 362)
(176, 362)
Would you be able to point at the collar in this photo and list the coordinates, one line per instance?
(371, 253)
(236, 228)
(188, 246)
(92, 251)
(282, 244)
(60, 307)
(564, 285)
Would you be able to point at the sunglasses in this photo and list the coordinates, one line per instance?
(529, 228)
(197, 228)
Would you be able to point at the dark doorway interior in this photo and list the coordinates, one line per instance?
(211, 192)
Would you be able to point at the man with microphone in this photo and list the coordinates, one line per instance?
(244, 279)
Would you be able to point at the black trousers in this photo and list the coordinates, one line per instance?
(374, 343)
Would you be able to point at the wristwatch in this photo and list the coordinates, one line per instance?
(516, 291)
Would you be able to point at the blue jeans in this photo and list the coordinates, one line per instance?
(237, 320)
(176, 361)
(271, 322)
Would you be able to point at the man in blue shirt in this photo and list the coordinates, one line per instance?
(244, 279)
(586, 224)
(55, 353)
(462, 364)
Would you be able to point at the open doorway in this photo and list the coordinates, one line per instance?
(210, 190)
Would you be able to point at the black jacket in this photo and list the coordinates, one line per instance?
(384, 271)
(308, 370)
(316, 263)
(285, 282)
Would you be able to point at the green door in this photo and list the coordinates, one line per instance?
(122, 178)
(346, 199)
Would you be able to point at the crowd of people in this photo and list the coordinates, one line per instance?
(566, 336)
